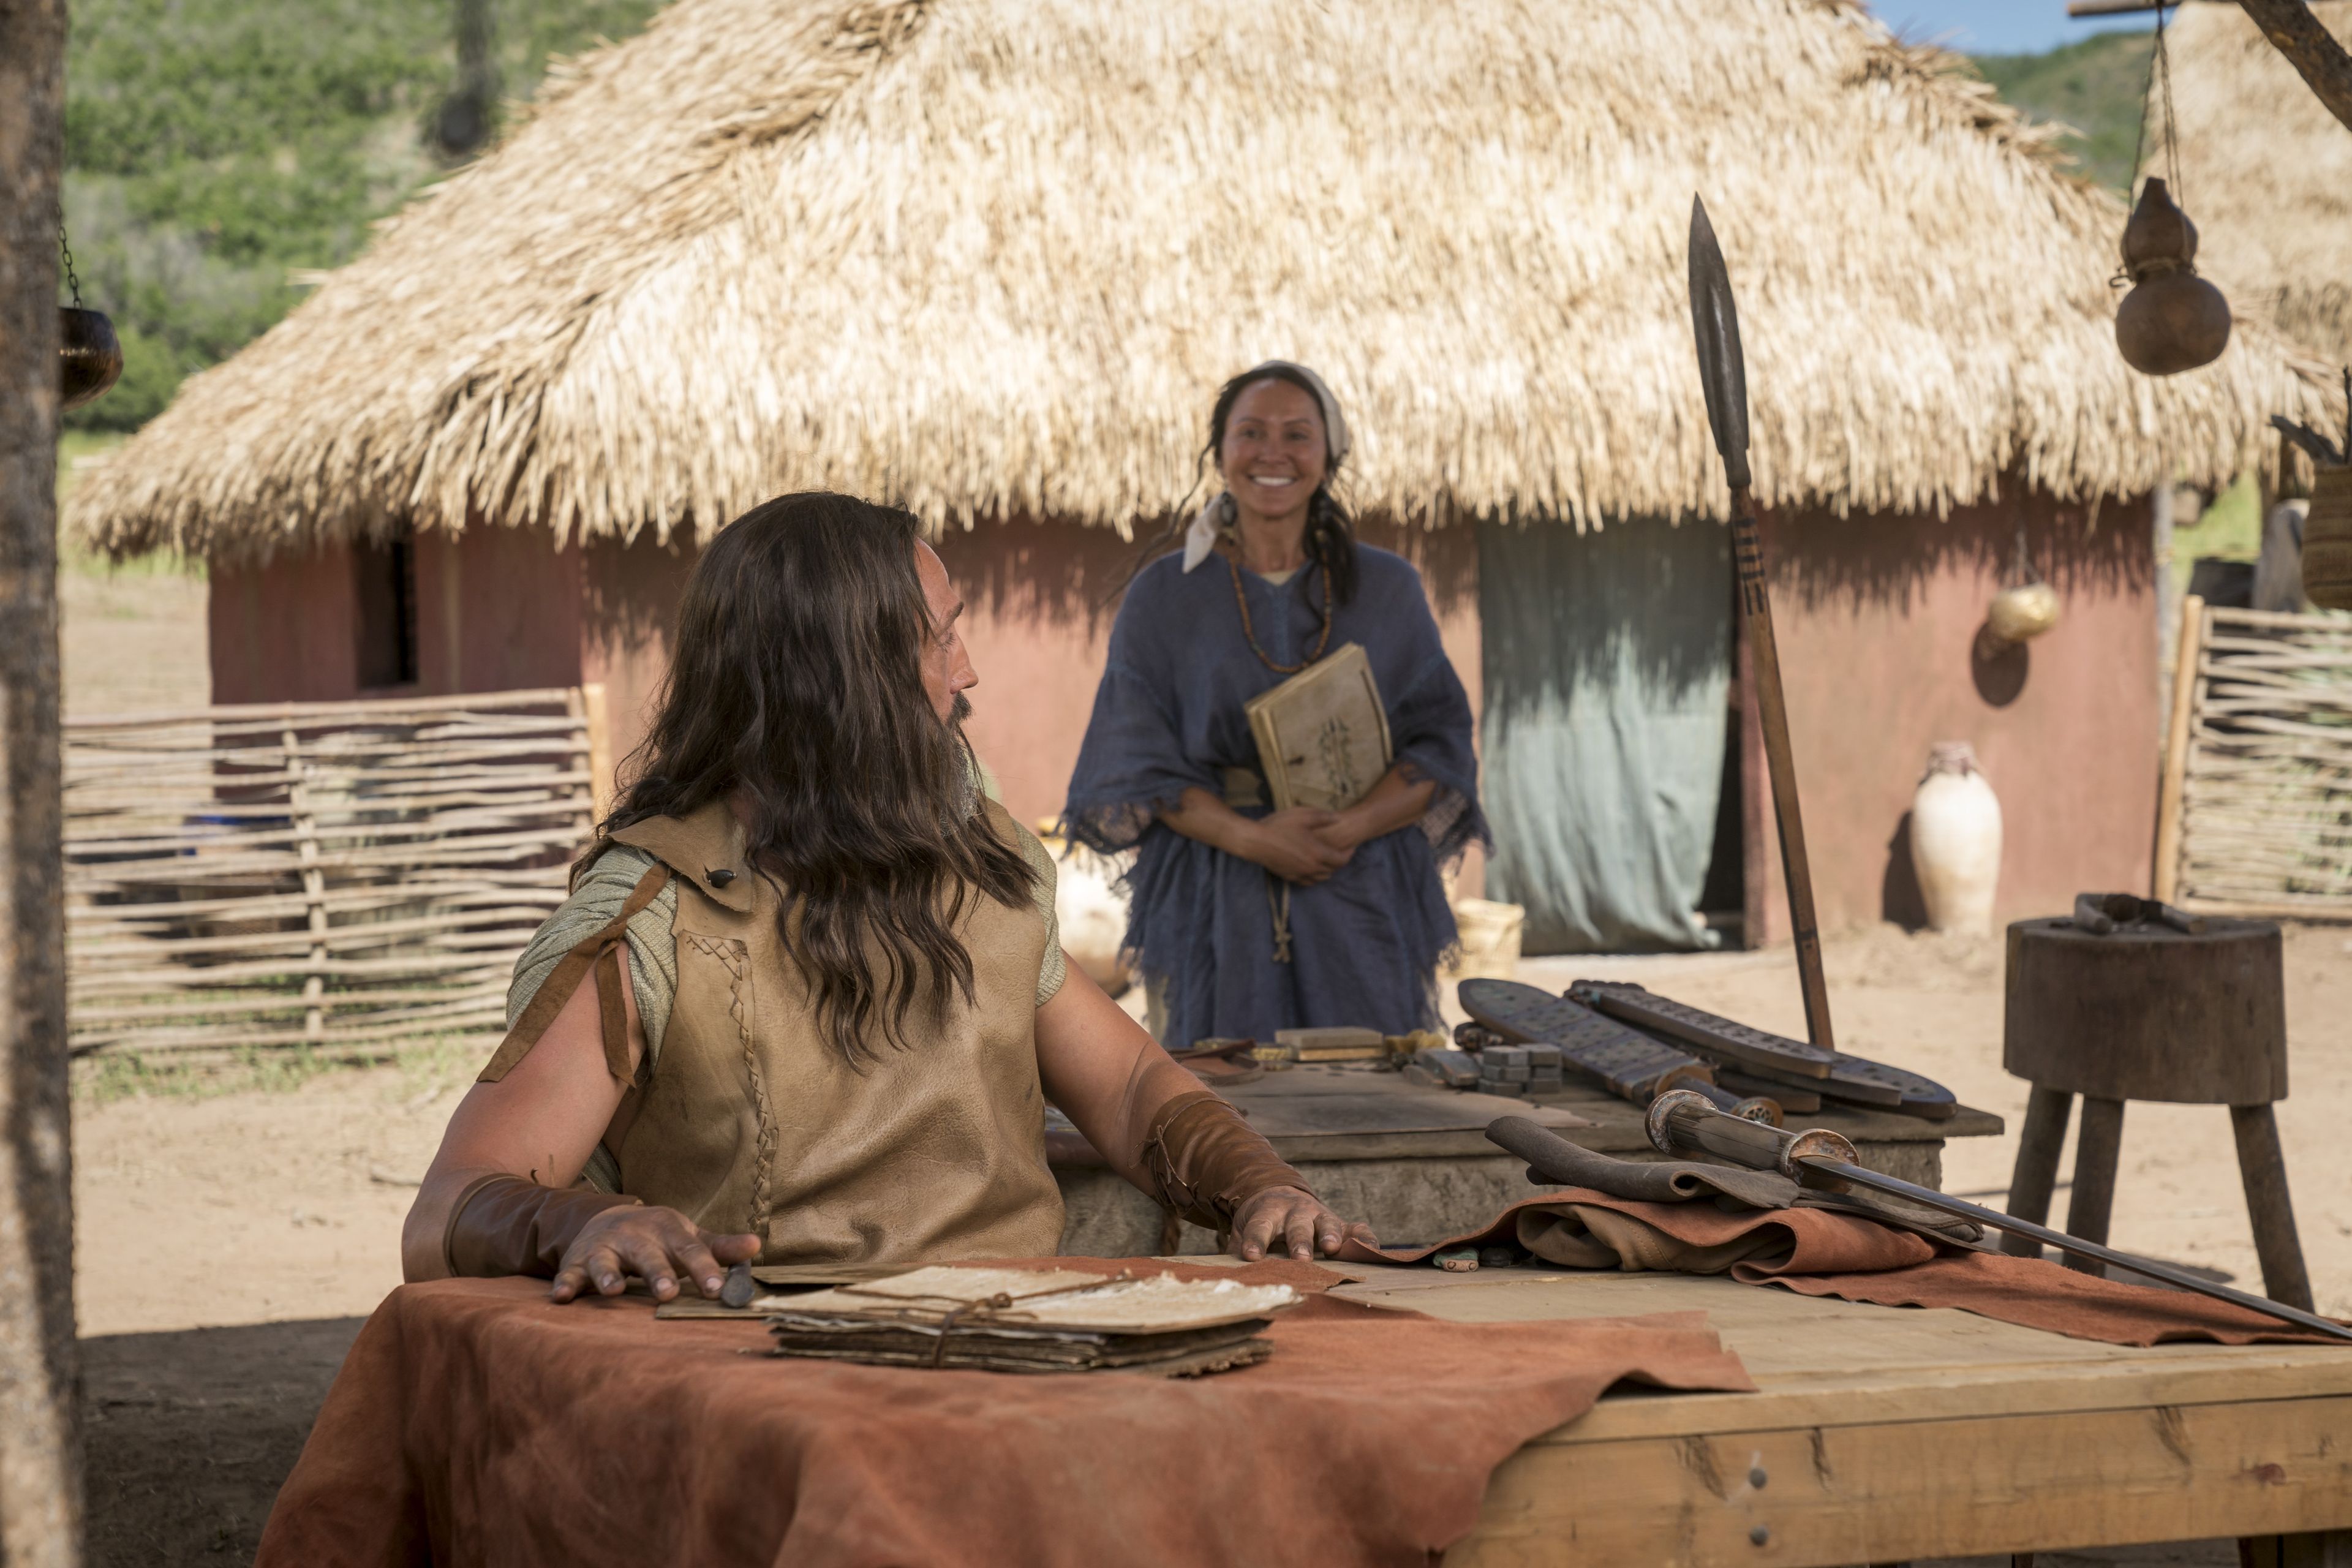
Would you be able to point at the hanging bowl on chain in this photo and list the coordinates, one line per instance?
(90, 358)
(2172, 320)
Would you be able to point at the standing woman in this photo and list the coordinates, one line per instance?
(1246, 919)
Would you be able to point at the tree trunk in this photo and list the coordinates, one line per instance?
(2310, 48)
(469, 115)
(40, 1436)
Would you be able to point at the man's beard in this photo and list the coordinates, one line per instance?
(966, 773)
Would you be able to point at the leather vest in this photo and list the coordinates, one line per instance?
(750, 1120)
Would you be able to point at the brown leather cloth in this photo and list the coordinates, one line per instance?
(474, 1423)
(1207, 1162)
(1817, 1253)
(504, 1224)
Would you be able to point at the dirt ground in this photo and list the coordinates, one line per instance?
(232, 1242)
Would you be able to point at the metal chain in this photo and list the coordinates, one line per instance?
(72, 282)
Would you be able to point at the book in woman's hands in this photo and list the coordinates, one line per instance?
(1322, 735)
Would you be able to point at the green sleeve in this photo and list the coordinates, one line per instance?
(653, 950)
(1042, 882)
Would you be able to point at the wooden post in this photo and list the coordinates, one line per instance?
(314, 887)
(2188, 655)
(40, 1436)
(2047, 1112)
(599, 726)
(2098, 1149)
(2261, 1166)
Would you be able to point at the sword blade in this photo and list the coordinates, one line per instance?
(1929, 1197)
(1722, 368)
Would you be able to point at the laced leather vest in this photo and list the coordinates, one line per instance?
(748, 1120)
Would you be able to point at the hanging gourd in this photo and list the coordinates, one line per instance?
(2327, 531)
(89, 357)
(2172, 320)
(2027, 606)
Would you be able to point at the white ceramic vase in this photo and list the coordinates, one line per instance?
(1956, 840)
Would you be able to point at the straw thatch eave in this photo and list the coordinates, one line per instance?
(992, 257)
(2266, 172)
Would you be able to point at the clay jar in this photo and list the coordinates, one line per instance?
(2328, 541)
(1956, 840)
(2172, 320)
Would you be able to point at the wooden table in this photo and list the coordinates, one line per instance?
(1882, 1435)
(1414, 1163)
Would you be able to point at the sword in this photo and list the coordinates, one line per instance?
(1724, 373)
(1682, 1124)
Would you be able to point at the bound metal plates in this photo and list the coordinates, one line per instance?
(1771, 1057)
(1627, 1063)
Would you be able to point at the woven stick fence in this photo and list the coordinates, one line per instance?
(2255, 816)
(324, 874)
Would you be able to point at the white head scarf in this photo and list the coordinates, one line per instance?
(1201, 536)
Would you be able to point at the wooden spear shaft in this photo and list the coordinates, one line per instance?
(1779, 762)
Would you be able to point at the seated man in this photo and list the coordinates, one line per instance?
(827, 1003)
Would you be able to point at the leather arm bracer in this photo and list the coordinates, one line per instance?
(505, 1224)
(1204, 1161)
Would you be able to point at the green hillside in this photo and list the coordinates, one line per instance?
(2093, 88)
(218, 150)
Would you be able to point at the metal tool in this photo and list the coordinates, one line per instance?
(2101, 913)
(1686, 1124)
(740, 1287)
(1724, 372)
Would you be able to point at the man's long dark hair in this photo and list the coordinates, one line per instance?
(1330, 538)
(796, 684)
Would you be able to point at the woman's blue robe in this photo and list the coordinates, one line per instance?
(1169, 716)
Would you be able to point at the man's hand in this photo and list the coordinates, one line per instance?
(1287, 1219)
(1291, 844)
(659, 1245)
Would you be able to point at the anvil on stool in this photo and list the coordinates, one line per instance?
(2146, 1010)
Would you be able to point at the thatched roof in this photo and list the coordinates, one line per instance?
(2266, 172)
(992, 258)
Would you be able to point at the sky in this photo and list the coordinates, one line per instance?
(1996, 27)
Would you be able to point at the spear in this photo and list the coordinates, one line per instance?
(1684, 1124)
(1724, 373)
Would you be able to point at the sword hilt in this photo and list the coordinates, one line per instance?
(1683, 1123)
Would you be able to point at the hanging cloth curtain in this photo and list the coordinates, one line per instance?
(1608, 663)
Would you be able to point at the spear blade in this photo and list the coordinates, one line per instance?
(1722, 369)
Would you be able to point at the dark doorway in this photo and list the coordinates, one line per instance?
(386, 596)
(1723, 899)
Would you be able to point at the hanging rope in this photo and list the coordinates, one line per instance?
(2159, 82)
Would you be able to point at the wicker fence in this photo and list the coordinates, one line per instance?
(2256, 813)
(336, 874)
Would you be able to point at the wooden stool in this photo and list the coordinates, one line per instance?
(2147, 1012)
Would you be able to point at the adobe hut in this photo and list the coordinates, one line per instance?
(990, 257)
(2266, 172)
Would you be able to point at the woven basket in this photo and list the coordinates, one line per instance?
(2328, 541)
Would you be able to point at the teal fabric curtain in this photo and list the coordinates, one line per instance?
(1608, 664)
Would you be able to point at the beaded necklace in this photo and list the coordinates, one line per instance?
(1242, 601)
